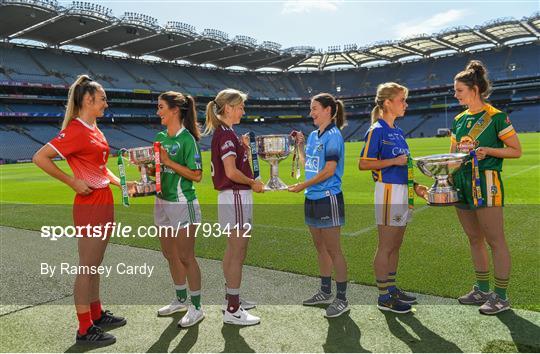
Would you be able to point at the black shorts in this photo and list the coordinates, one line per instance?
(325, 212)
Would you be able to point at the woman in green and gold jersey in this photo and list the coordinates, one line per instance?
(177, 207)
(487, 135)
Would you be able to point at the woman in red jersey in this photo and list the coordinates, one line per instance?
(86, 150)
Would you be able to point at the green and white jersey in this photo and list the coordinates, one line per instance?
(488, 128)
(184, 150)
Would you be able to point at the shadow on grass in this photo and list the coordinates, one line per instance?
(161, 345)
(525, 334)
(429, 341)
(343, 336)
(234, 342)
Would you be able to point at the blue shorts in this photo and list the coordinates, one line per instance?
(325, 212)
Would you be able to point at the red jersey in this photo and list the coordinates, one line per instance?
(226, 143)
(86, 150)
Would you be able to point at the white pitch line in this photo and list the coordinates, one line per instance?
(523, 171)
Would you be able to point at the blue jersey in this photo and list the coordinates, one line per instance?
(328, 146)
(382, 143)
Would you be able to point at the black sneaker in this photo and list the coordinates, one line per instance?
(95, 337)
(394, 305)
(107, 320)
(403, 296)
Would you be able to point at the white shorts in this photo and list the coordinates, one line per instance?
(235, 208)
(176, 214)
(391, 204)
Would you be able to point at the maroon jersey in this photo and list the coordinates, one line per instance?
(226, 143)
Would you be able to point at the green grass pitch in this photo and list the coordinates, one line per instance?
(434, 259)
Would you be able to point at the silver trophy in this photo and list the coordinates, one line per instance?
(144, 158)
(441, 167)
(273, 149)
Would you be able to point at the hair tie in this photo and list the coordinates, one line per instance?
(215, 108)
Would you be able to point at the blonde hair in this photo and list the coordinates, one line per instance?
(386, 91)
(216, 107)
(82, 85)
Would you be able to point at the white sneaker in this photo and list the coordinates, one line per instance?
(245, 304)
(191, 318)
(174, 306)
(241, 318)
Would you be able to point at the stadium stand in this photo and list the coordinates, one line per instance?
(34, 79)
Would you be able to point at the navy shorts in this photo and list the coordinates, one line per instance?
(325, 212)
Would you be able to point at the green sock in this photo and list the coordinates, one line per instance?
(181, 292)
(196, 298)
(482, 280)
(500, 287)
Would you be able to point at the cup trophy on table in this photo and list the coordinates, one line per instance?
(273, 149)
(441, 167)
(146, 158)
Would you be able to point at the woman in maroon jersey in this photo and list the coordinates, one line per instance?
(233, 178)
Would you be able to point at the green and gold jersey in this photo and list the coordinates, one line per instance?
(184, 150)
(488, 128)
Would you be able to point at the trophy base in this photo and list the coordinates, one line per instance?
(446, 197)
(275, 184)
(142, 194)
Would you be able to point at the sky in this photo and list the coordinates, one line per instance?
(325, 23)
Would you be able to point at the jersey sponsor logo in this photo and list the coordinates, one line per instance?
(385, 142)
(227, 145)
(397, 151)
(312, 163)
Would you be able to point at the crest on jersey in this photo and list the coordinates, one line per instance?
(467, 144)
(174, 149)
(319, 147)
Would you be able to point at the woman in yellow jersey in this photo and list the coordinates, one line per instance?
(487, 134)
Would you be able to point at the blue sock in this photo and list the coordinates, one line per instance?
(341, 290)
(326, 285)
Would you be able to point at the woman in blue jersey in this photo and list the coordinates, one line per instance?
(386, 154)
(324, 207)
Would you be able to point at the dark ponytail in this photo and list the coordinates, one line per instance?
(187, 110)
(337, 108)
(475, 74)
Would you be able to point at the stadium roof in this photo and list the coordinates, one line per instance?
(95, 27)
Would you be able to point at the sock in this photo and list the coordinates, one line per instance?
(233, 300)
(384, 295)
(341, 290)
(391, 282)
(482, 280)
(181, 292)
(326, 284)
(500, 287)
(195, 298)
(85, 322)
(95, 310)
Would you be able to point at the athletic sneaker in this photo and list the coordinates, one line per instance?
(108, 320)
(337, 308)
(320, 298)
(191, 318)
(241, 318)
(245, 304)
(403, 296)
(475, 297)
(174, 306)
(95, 337)
(394, 305)
(494, 305)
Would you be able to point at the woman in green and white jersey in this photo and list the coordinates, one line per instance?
(177, 207)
